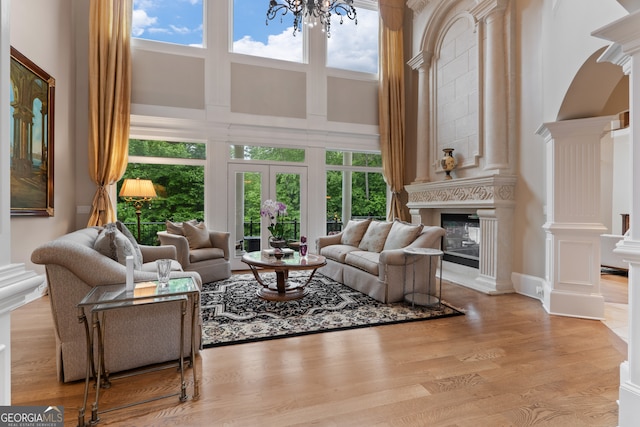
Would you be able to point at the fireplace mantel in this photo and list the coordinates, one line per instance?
(492, 198)
(477, 192)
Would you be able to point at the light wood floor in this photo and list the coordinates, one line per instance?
(505, 363)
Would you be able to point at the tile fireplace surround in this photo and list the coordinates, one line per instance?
(492, 198)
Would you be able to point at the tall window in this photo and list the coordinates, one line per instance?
(355, 47)
(355, 187)
(171, 21)
(252, 35)
(177, 172)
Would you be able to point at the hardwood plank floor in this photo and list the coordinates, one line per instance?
(505, 363)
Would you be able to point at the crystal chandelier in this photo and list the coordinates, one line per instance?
(312, 11)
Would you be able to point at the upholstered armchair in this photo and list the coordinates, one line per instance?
(135, 338)
(199, 249)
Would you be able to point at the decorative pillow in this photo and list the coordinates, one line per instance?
(137, 253)
(353, 232)
(375, 236)
(103, 242)
(178, 227)
(197, 235)
(402, 234)
(113, 244)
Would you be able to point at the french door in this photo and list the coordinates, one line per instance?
(249, 186)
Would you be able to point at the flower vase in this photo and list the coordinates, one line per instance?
(448, 162)
(277, 243)
(303, 247)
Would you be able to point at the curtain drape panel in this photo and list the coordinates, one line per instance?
(109, 100)
(392, 103)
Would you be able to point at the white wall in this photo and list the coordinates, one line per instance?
(567, 43)
(529, 239)
(621, 182)
(42, 31)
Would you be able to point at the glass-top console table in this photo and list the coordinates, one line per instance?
(100, 300)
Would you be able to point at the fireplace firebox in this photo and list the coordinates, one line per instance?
(461, 242)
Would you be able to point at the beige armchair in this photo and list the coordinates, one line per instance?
(135, 338)
(210, 261)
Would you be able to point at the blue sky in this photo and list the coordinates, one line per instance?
(174, 21)
(180, 21)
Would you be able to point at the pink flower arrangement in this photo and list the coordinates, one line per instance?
(273, 210)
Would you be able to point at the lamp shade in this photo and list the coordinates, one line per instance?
(138, 189)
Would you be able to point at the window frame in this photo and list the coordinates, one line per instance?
(351, 168)
(371, 5)
(256, 59)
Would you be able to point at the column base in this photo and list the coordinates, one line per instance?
(629, 399)
(494, 286)
(562, 303)
(469, 277)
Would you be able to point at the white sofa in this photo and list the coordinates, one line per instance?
(368, 256)
(608, 258)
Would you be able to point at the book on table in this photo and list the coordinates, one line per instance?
(271, 252)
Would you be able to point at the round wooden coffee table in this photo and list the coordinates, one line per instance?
(284, 289)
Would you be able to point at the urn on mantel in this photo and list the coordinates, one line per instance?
(448, 162)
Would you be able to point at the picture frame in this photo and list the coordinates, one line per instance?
(31, 137)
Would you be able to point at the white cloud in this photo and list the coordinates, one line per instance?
(144, 20)
(279, 46)
(158, 30)
(354, 47)
(141, 21)
(180, 30)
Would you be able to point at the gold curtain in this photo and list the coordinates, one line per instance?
(391, 103)
(109, 100)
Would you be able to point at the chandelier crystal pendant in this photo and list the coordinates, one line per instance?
(312, 11)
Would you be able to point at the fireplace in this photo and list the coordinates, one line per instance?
(492, 200)
(461, 243)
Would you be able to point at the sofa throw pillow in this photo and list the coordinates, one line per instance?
(402, 234)
(113, 244)
(353, 232)
(178, 227)
(375, 236)
(197, 235)
(103, 243)
(137, 253)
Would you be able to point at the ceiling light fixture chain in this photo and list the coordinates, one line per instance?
(312, 12)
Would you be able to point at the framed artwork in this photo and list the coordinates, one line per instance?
(31, 138)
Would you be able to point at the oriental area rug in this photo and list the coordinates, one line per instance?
(232, 313)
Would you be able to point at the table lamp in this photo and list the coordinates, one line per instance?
(138, 191)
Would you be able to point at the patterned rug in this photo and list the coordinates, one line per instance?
(232, 312)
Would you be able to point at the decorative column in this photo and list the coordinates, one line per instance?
(574, 222)
(422, 62)
(495, 265)
(495, 84)
(626, 52)
(15, 282)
